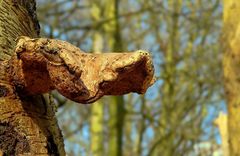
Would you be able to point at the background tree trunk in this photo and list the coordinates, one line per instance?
(231, 41)
(27, 124)
(116, 104)
(97, 109)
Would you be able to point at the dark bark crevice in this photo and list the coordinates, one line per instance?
(52, 147)
(3, 91)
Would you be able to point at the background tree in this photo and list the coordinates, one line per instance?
(97, 110)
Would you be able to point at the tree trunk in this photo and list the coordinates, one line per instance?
(116, 106)
(97, 114)
(169, 115)
(231, 42)
(28, 125)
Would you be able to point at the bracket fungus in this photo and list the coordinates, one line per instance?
(41, 65)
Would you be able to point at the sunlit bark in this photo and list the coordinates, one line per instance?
(231, 42)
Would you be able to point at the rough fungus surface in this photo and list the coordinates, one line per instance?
(11, 142)
(41, 65)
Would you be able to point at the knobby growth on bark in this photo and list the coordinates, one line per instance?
(41, 65)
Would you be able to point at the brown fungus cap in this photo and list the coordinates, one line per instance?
(47, 64)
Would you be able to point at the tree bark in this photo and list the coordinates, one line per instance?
(28, 125)
(231, 41)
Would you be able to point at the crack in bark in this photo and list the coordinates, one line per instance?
(52, 147)
(3, 91)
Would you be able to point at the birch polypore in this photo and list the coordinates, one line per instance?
(41, 65)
